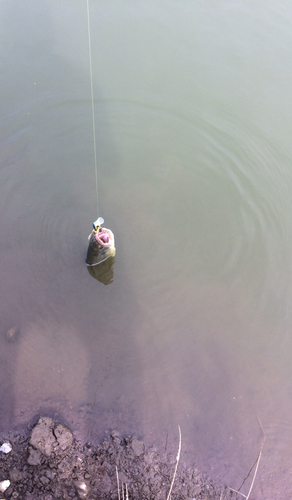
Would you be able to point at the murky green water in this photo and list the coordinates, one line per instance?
(193, 125)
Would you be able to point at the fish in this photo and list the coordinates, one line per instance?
(104, 273)
(101, 244)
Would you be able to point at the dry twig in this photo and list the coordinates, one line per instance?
(118, 483)
(256, 465)
(177, 460)
(124, 487)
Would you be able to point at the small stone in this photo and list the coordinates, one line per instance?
(117, 441)
(138, 447)
(11, 333)
(6, 447)
(34, 457)
(50, 474)
(44, 480)
(82, 489)
(115, 433)
(15, 475)
(63, 435)
(42, 437)
(4, 485)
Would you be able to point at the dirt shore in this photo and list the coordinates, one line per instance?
(48, 463)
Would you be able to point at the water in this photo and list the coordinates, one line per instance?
(193, 107)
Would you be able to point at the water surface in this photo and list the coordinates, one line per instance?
(193, 126)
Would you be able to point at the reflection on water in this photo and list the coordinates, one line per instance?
(193, 136)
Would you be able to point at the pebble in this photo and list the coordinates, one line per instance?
(44, 480)
(6, 447)
(138, 447)
(82, 489)
(16, 475)
(34, 457)
(64, 436)
(42, 437)
(11, 333)
(4, 485)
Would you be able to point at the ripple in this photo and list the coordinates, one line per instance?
(222, 178)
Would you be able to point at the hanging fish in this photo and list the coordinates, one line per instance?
(101, 244)
(104, 272)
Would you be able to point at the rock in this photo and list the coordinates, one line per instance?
(47, 436)
(15, 475)
(44, 480)
(63, 435)
(6, 447)
(116, 438)
(137, 447)
(50, 474)
(34, 457)
(42, 436)
(4, 485)
(82, 489)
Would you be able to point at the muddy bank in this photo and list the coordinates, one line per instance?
(48, 463)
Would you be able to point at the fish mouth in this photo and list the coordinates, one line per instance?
(101, 246)
(105, 238)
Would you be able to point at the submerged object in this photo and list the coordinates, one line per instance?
(104, 272)
(11, 334)
(101, 244)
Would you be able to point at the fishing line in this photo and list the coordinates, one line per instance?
(101, 248)
(92, 106)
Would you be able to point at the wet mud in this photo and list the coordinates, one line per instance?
(47, 463)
